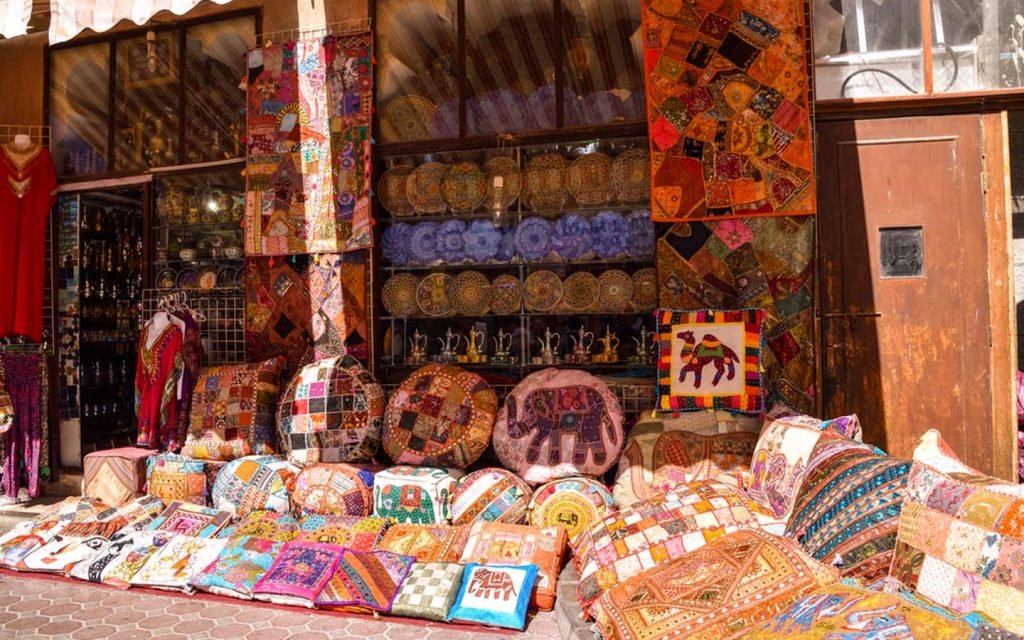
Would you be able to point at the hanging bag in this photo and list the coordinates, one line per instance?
(6, 404)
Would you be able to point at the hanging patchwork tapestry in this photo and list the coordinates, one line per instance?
(764, 263)
(730, 130)
(729, 341)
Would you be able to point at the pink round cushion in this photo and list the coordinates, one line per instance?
(334, 489)
(559, 424)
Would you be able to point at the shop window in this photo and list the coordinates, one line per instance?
(146, 102)
(79, 106)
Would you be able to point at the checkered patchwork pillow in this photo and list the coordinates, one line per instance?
(429, 591)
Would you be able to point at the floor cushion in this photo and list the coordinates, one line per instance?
(559, 423)
(419, 495)
(187, 519)
(269, 525)
(254, 483)
(365, 581)
(115, 476)
(494, 495)
(142, 510)
(121, 575)
(429, 591)
(331, 411)
(500, 544)
(495, 595)
(234, 410)
(299, 573)
(425, 542)
(361, 534)
(22, 541)
(61, 553)
(238, 566)
(334, 489)
(571, 503)
(172, 477)
(110, 554)
(440, 416)
(177, 563)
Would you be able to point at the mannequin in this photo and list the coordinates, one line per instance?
(22, 141)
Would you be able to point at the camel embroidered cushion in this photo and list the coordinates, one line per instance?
(494, 495)
(710, 360)
(418, 495)
(493, 595)
(572, 504)
(559, 423)
(334, 489)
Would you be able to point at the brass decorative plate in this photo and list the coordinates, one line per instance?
(544, 182)
(645, 289)
(407, 119)
(512, 181)
(399, 295)
(464, 186)
(589, 179)
(542, 290)
(631, 177)
(471, 294)
(423, 188)
(580, 291)
(616, 290)
(433, 295)
(506, 295)
(391, 191)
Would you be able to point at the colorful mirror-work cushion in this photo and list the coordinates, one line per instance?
(495, 595)
(254, 483)
(559, 423)
(334, 489)
(332, 411)
(417, 495)
(429, 591)
(352, 532)
(234, 410)
(299, 573)
(499, 544)
(440, 416)
(720, 591)
(710, 360)
(572, 503)
(177, 563)
(365, 581)
(493, 495)
(238, 566)
(172, 477)
(269, 525)
(425, 542)
(187, 519)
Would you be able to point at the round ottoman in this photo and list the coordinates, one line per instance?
(559, 424)
(254, 483)
(494, 495)
(440, 416)
(571, 503)
(332, 411)
(334, 489)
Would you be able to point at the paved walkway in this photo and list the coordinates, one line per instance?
(44, 607)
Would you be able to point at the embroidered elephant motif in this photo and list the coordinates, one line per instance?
(405, 504)
(552, 413)
(492, 585)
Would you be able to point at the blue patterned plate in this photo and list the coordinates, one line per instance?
(395, 243)
(423, 242)
(507, 246)
(572, 237)
(533, 238)
(481, 240)
(641, 234)
(610, 233)
(450, 245)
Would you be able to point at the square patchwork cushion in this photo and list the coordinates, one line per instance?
(334, 489)
(254, 483)
(499, 544)
(492, 595)
(493, 495)
(360, 534)
(418, 495)
(573, 504)
(846, 611)
(238, 566)
(332, 411)
(848, 510)
(429, 591)
(425, 542)
(269, 525)
(365, 581)
(61, 553)
(115, 476)
(637, 538)
(299, 573)
(187, 519)
(234, 410)
(440, 416)
(720, 591)
(177, 563)
(710, 360)
(172, 477)
(110, 554)
(961, 539)
(559, 424)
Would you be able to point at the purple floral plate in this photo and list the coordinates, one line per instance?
(481, 240)
(395, 243)
(572, 236)
(641, 234)
(610, 233)
(423, 242)
(450, 244)
(533, 238)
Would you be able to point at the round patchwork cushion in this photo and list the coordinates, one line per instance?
(332, 411)
(494, 495)
(253, 483)
(571, 503)
(440, 416)
(334, 489)
(559, 424)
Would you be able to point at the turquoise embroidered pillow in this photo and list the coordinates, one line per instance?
(495, 595)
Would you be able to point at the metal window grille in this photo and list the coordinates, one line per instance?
(222, 331)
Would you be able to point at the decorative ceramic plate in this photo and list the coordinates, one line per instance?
(616, 290)
(589, 179)
(631, 176)
(641, 234)
(187, 279)
(544, 182)
(511, 182)
(391, 191)
(208, 278)
(226, 277)
(572, 237)
(396, 243)
(407, 119)
(433, 295)
(399, 295)
(423, 188)
(645, 289)
(542, 291)
(423, 242)
(166, 279)
(507, 245)
(580, 291)
(533, 238)
(610, 233)
(480, 240)
(451, 243)
(464, 186)
(471, 294)
(506, 295)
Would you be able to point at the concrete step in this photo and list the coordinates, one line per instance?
(568, 613)
(69, 484)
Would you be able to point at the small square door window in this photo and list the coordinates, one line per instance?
(902, 252)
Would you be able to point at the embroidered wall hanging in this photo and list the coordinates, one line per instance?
(728, 341)
(730, 130)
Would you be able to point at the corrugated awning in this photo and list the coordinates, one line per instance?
(14, 17)
(68, 18)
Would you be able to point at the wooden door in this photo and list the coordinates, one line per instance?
(915, 296)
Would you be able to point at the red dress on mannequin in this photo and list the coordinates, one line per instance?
(27, 193)
(156, 385)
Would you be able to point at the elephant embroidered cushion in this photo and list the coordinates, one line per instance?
(495, 595)
(710, 360)
(418, 495)
(332, 411)
(429, 591)
(270, 525)
(425, 542)
(499, 544)
(440, 416)
(334, 489)
(172, 477)
(299, 573)
(493, 495)
(239, 565)
(254, 483)
(559, 423)
(352, 532)
(572, 504)
(365, 581)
